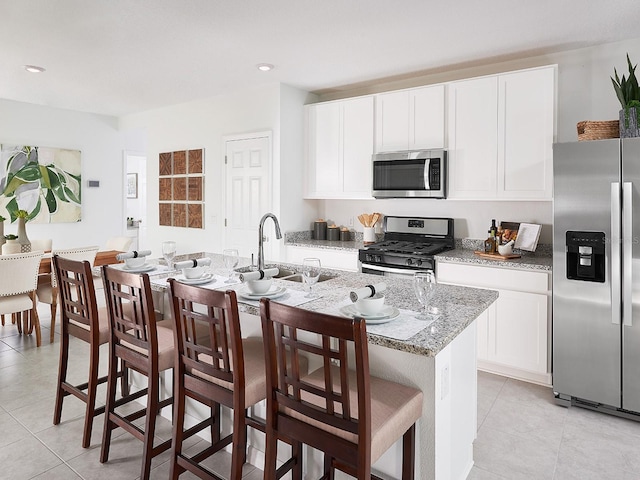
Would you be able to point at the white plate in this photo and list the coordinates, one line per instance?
(147, 267)
(206, 278)
(274, 292)
(387, 314)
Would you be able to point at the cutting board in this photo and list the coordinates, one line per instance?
(497, 256)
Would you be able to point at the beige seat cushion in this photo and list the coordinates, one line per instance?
(103, 325)
(165, 348)
(255, 387)
(15, 303)
(394, 408)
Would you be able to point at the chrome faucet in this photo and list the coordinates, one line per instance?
(261, 237)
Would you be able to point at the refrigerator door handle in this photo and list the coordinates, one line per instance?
(615, 253)
(627, 253)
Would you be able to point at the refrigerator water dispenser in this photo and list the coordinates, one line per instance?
(585, 256)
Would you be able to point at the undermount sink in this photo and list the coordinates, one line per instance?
(287, 274)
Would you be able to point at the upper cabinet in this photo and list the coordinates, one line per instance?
(410, 119)
(339, 148)
(501, 131)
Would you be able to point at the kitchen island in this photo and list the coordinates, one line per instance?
(440, 360)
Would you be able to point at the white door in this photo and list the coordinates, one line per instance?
(248, 194)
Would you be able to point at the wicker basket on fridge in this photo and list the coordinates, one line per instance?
(598, 130)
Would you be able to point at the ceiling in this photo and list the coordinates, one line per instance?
(118, 57)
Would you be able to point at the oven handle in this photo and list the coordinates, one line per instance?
(402, 271)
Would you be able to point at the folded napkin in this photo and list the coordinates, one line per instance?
(259, 274)
(367, 291)
(134, 254)
(196, 262)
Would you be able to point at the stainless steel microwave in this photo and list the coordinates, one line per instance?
(419, 174)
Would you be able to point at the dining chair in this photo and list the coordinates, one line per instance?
(224, 369)
(82, 319)
(18, 283)
(121, 243)
(47, 285)
(141, 345)
(339, 409)
(41, 245)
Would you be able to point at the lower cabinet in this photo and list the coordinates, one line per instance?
(514, 334)
(329, 258)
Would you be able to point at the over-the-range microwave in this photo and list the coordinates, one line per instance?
(406, 174)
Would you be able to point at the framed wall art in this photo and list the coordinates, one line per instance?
(181, 188)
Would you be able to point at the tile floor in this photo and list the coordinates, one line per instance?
(522, 433)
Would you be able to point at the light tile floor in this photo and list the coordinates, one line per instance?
(522, 433)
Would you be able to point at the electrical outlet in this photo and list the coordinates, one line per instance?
(351, 221)
(444, 382)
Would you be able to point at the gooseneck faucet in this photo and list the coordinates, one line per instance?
(261, 237)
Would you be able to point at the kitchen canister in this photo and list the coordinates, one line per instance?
(320, 229)
(345, 235)
(369, 235)
(333, 233)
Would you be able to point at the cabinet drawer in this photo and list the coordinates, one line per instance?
(498, 278)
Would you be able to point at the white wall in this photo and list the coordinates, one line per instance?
(100, 142)
(584, 92)
(203, 124)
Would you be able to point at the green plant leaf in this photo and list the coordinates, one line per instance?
(12, 185)
(618, 90)
(45, 182)
(29, 173)
(52, 203)
(12, 208)
(35, 211)
(71, 195)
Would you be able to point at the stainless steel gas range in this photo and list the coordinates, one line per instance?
(409, 245)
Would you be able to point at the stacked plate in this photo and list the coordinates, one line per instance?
(147, 267)
(274, 292)
(385, 315)
(206, 278)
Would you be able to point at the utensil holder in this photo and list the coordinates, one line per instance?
(369, 235)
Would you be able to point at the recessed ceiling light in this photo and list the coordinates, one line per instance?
(34, 69)
(264, 67)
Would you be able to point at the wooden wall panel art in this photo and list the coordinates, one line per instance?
(181, 188)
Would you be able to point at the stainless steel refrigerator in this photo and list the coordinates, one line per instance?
(596, 274)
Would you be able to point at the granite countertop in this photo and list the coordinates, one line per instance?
(526, 262)
(459, 306)
(352, 246)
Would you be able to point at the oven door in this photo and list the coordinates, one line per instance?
(388, 271)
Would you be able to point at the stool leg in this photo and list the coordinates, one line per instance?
(409, 453)
(92, 388)
(296, 451)
(109, 407)
(271, 450)
(62, 378)
(239, 442)
(150, 425)
(178, 425)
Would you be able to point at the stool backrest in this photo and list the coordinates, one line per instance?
(77, 297)
(219, 354)
(131, 315)
(286, 333)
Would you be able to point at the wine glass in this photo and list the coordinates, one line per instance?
(169, 252)
(424, 285)
(311, 274)
(230, 259)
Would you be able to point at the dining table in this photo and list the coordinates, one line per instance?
(103, 257)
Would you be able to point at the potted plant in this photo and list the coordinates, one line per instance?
(628, 93)
(2, 240)
(23, 239)
(11, 245)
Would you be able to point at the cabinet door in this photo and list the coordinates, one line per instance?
(357, 147)
(526, 130)
(518, 338)
(324, 154)
(426, 118)
(473, 132)
(392, 121)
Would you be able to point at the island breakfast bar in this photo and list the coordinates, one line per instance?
(440, 360)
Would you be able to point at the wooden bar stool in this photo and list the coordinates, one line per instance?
(82, 319)
(347, 414)
(222, 369)
(141, 345)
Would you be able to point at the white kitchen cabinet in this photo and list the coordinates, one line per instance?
(501, 131)
(329, 258)
(514, 334)
(339, 139)
(410, 119)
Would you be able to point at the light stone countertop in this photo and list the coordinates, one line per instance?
(459, 306)
(526, 262)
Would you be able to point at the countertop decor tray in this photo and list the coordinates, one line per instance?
(496, 256)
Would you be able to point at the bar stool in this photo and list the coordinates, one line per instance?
(142, 346)
(349, 415)
(80, 318)
(222, 369)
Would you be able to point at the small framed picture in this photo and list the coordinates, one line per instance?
(132, 185)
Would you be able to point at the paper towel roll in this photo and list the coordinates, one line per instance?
(134, 254)
(259, 274)
(196, 262)
(367, 291)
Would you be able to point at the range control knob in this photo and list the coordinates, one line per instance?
(418, 262)
(377, 258)
(409, 261)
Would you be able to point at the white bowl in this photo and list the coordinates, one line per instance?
(505, 249)
(134, 262)
(258, 287)
(370, 305)
(193, 272)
